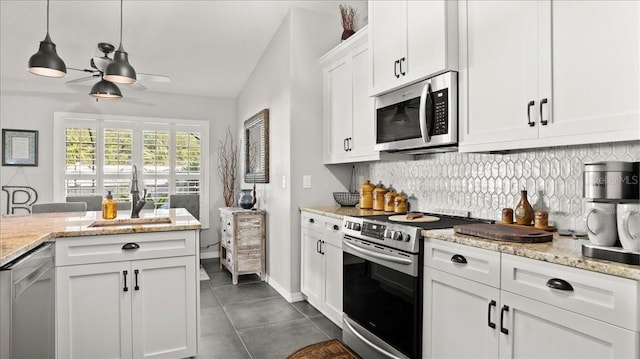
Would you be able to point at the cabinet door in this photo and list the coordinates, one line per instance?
(94, 311)
(426, 39)
(333, 282)
(596, 88)
(538, 330)
(164, 307)
(456, 319)
(338, 107)
(388, 43)
(499, 71)
(312, 276)
(364, 137)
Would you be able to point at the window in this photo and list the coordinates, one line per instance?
(99, 153)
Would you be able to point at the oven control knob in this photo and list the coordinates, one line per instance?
(353, 226)
(397, 236)
(406, 237)
(387, 234)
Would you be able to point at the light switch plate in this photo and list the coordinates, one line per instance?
(306, 181)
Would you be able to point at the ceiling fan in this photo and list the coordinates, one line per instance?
(104, 88)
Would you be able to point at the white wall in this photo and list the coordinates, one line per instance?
(288, 81)
(30, 105)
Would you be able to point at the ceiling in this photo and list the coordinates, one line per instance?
(208, 48)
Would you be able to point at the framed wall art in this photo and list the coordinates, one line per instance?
(19, 147)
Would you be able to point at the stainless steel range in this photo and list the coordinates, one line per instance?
(382, 283)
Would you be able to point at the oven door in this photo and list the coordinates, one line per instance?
(382, 295)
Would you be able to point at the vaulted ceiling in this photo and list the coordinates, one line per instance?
(208, 48)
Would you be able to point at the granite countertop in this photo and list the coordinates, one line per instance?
(21, 233)
(562, 250)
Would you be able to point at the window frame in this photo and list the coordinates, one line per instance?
(138, 124)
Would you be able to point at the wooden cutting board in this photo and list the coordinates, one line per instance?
(504, 233)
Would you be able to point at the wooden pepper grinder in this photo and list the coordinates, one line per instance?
(523, 212)
(378, 197)
(366, 195)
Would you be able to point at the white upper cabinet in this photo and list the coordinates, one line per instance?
(548, 73)
(349, 117)
(411, 40)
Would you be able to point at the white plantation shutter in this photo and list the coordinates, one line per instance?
(99, 152)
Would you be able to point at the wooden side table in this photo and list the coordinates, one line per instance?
(242, 241)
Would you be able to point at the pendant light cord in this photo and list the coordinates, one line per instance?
(120, 21)
(47, 16)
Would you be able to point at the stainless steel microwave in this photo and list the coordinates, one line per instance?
(419, 118)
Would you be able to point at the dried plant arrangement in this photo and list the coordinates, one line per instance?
(227, 165)
(348, 14)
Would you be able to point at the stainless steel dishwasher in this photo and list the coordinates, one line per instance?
(27, 292)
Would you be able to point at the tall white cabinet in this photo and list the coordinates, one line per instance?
(321, 256)
(127, 296)
(548, 73)
(484, 304)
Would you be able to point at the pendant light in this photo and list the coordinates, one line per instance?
(104, 89)
(119, 70)
(46, 61)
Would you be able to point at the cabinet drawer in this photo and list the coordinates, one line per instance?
(229, 259)
(312, 221)
(226, 223)
(476, 264)
(227, 241)
(109, 248)
(600, 296)
(332, 231)
(249, 261)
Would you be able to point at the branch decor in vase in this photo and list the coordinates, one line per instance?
(227, 165)
(348, 14)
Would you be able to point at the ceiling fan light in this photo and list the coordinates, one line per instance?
(46, 61)
(105, 90)
(119, 70)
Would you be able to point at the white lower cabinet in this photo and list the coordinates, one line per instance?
(538, 310)
(139, 308)
(321, 277)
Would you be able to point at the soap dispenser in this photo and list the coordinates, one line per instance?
(109, 207)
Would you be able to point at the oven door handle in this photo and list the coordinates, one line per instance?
(371, 253)
(368, 342)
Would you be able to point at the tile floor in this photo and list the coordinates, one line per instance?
(251, 320)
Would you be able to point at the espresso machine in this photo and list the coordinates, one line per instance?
(612, 193)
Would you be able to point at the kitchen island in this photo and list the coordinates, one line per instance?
(123, 288)
(22, 233)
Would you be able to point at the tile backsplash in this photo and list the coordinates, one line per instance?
(483, 183)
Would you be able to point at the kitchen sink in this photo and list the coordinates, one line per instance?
(130, 221)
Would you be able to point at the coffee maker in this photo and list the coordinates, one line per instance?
(612, 193)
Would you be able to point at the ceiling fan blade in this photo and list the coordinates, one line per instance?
(82, 79)
(138, 86)
(152, 77)
(100, 63)
(81, 70)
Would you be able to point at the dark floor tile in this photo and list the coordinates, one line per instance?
(244, 292)
(261, 312)
(221, 278)
(214, 321)
(306, 309)
(277, 341)
(328, 327)
(222, 346)
(211, 265)
(207, 298)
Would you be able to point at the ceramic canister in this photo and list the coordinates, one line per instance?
(628, 223)
(600, 219)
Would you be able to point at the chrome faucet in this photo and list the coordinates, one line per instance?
(137, 203)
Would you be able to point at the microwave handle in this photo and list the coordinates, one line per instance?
(426, 104)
